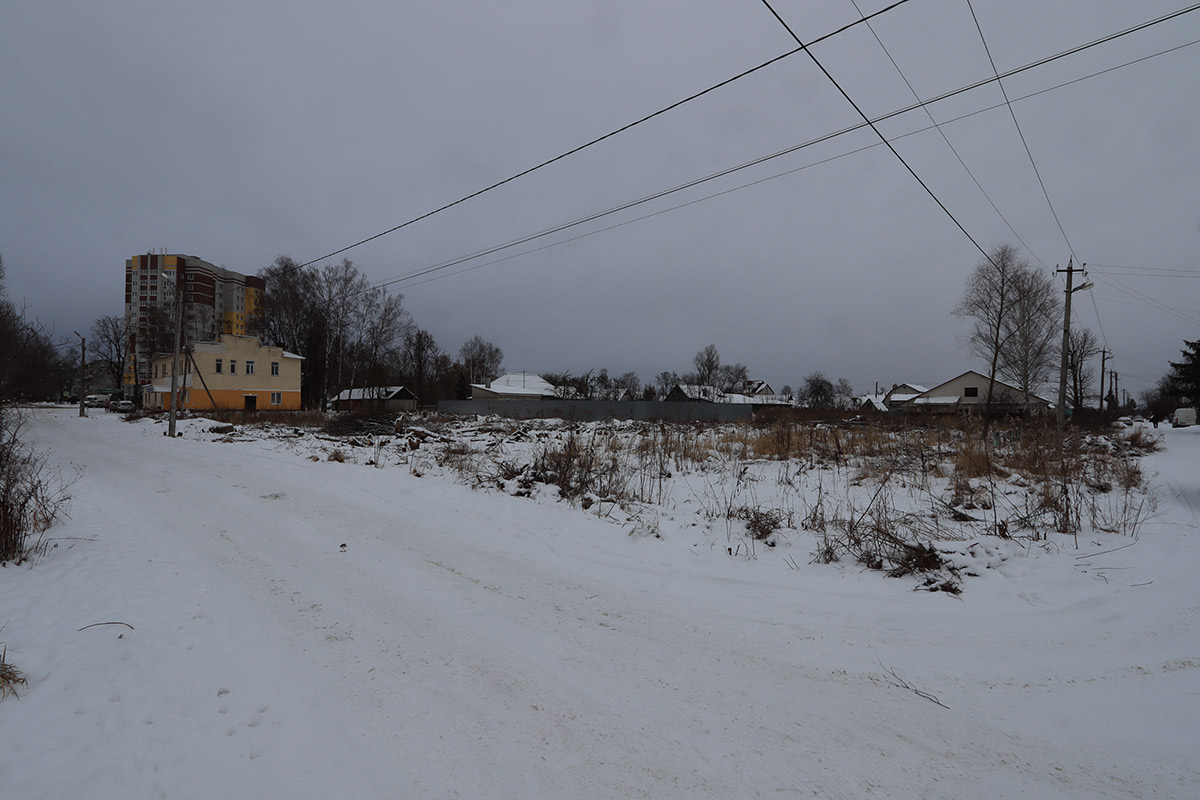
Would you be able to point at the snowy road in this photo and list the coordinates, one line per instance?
(466, 644)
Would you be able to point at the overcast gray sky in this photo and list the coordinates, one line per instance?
(237, 131)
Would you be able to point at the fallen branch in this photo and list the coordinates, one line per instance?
(94, 624)
(903, 684)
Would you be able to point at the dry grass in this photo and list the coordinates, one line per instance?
(927, 479)
(10, 677)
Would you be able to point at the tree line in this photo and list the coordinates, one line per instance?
(353, 334)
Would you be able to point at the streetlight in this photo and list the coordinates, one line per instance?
(82, 363)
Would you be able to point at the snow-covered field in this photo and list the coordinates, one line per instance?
(299, 628)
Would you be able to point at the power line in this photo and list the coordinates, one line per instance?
(878, 133)
(944, 96)
(1020, 133)
(1129, 290)
(1166, 271)
(722, 173)
(945, 138)
(597, 140)
(983, 82)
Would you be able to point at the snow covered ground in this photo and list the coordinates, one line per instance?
(297, 628)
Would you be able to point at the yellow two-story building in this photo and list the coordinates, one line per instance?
(232, 373)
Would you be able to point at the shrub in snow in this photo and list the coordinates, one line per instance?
(31, 493)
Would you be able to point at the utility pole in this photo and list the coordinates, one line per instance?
(1066, 343)
(1116, 390)
(82, 370)
(175, 354)
(1104, 354)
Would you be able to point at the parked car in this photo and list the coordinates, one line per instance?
(121, 406)
(96, 400)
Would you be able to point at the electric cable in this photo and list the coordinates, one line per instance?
(1048, 59)
(879, 133)
(1154, 303)
(591, 217)
(1020, 132)
(946, 139)
(597, 140)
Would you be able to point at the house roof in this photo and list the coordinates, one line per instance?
(371, 393)
(519, 384)
(875, 401)
(931, 396)
(695, 391)
(947, 400)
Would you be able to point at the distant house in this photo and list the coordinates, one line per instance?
(694, 393)
(970, 391)
(870, 403)
(902, 393)
(234, 372)
(382, 398)
(514, 386)
(752, 388)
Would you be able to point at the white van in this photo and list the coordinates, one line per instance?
(1183, 417)
(96, 401)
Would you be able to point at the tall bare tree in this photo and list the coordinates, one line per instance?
(664, 382)
(629, 382)
(730, 375)
(1030, 349)
(30, 365)
(708, 364)
(110, 345)
(481, 359)
(991, 300)
(420, 360)
(1082, 347)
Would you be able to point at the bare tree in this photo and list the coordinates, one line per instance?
(730, 375)
(285, 315)
(818, 391)
(1082, 347)
(421, 355)
(1030, 349)
(843, 394)
(481, 359)
(604, 386)
(110, 345)
(629, 382)
(989, 300)
(30, 364)
(378, 326)
(708, 364)
(340, 291)
(665, 382)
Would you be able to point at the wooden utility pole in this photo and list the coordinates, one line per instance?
(175, 354)
(1104, 354)
(82, 372)
(1066, 344)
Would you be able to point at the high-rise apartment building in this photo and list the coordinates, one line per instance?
(215, 301)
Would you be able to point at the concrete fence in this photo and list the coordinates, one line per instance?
(590, 410)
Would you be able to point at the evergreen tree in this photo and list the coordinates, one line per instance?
(1186, 374)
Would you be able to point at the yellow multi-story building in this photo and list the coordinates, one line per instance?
(232, 373)
(216, 301)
